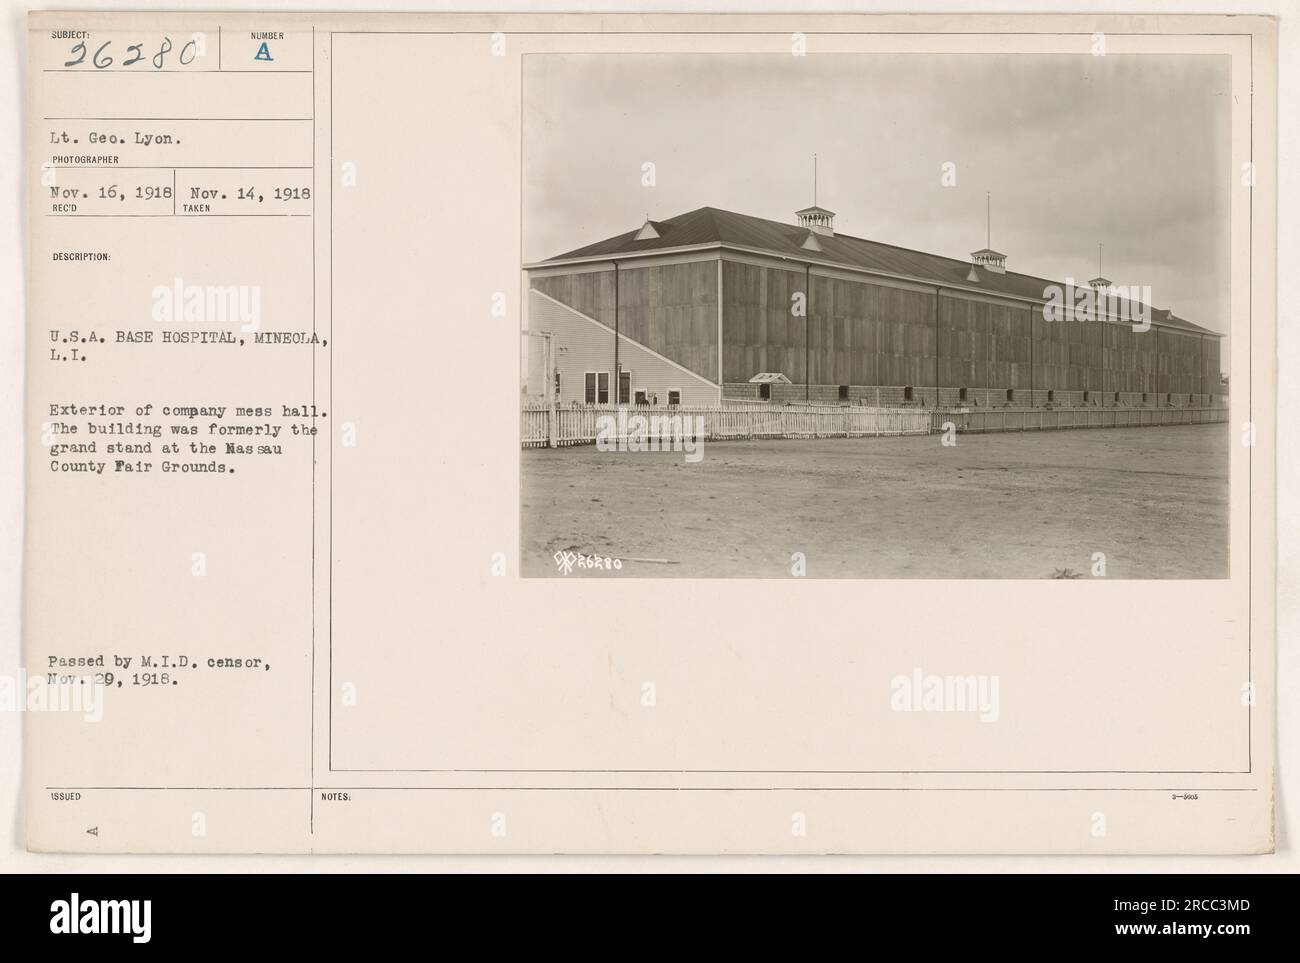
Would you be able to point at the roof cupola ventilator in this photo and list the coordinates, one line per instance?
(986, 257)
(1099, 283)
(816, 219)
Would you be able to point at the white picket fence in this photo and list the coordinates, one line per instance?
(1051, 419)
(579, 424)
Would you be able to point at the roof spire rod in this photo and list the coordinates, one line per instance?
(814, 180)
(988, 258)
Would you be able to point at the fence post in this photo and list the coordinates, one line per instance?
(550, 394)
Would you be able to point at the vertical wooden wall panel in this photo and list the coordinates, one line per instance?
(669, 308)
(872, 334)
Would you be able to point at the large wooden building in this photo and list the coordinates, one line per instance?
(711, 305)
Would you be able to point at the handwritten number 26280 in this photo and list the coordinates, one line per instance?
(102, 59)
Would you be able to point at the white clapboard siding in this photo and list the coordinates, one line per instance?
(581, 344)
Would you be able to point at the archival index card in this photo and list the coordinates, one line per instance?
(693, 434)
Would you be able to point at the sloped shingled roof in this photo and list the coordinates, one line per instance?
(708, 225)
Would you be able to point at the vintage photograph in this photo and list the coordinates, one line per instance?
(797, 358)
(858, 316)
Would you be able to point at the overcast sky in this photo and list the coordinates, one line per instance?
(1132, 151)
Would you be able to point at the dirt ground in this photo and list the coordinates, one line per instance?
(1154, 500)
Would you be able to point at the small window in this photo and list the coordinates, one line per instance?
(1011, 394)
(765, 392)
(1191, 399)
(602, 387)
(1087, 397)
(589, 388)
(674, 397)
(1145, 399)
(1211, 399)
(961, 394)
(907, 393)
(624, 387)
(1051, 395)
(1117, 397)
(844, 392)
(1169, 399)
(641, 398)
